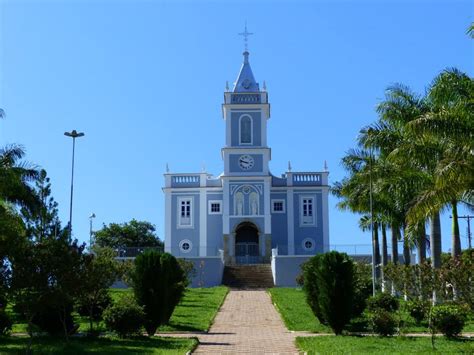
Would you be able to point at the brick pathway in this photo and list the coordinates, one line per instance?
(247, 323)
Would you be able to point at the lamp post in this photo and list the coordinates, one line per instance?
(73, 134)
(92, 216)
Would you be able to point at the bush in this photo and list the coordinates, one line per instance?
(383, 322)
(103, 301)
(448, 319)
(5, 323)
(383, 301)
(3, 301)
(362, 287)
(159, 284)
(125, 317)
(418, 309)
(329, 288)
(54, 315)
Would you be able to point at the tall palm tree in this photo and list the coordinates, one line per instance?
(451, 123)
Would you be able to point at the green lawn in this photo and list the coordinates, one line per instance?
(377, 345)
(110, 345)
(294, 310)
(297, 315)
(195, 312)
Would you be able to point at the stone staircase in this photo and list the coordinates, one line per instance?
(248, 276)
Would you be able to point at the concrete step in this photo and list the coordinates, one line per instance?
(248, 276)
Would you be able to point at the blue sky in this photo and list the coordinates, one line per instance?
(145, 79)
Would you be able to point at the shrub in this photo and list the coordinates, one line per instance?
(125, 317)
(159, 284)
(5, 323)
(54, 315)
(188, 268)
(418, 309)
(3, 301)
(362, 287)
(103, 301)
(448, 319)
(383, 301)
(329, 288)
(383, 322)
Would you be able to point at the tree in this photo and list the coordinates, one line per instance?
(131, 234)
(99, 272)
(329, 287)
(450, 122)
(159, 284)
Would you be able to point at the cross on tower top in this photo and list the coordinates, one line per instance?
(246, 35)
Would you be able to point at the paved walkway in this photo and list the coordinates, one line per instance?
(247, 323)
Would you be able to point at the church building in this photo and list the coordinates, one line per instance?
(247, 215)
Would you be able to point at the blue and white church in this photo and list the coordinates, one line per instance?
(246, 215)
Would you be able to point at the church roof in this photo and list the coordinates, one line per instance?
(245, 81)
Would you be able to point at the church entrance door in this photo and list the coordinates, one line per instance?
(246, 244)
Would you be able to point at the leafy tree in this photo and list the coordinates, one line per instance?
(159, 284)
(46, 279)
(329, 288)
(131, 234)
(44, 221)
(99, 272)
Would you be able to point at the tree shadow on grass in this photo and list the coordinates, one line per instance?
(48, 345)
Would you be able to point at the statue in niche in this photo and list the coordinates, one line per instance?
(239, 204)
(254, 203)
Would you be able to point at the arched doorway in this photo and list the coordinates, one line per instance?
(246, 244)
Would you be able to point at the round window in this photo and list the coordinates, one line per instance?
(308, 244)
(185, 246)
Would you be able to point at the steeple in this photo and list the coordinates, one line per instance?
(245, 81)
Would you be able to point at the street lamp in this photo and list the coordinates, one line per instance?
(90, 229)
(73, 134)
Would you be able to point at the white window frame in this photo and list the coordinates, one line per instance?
(191, 212)
(303, 244)
(209, 206)
(181, 243)
(283, 204)
(305, 220)
(251, 129)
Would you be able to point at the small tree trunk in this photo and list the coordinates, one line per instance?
(422, 244)
(406, 248)
(395, 236)
(456, 241)
(435, 241)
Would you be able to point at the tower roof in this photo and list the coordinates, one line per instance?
(245, 81)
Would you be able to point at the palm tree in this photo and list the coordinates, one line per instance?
(450, 122)
(15, 190)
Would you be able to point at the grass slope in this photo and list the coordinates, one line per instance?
(110, 345)
(294, 310)
(297, 315)
(377, 345)
(195, 312)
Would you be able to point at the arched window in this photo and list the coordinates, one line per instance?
(245, 130)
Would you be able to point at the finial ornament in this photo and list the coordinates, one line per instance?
(167, 168)
(226, 86)
(325, 165)
(289, 165)
(203, 167)
(264, 86)
(246, 35)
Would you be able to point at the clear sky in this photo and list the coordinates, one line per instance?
(145, 79)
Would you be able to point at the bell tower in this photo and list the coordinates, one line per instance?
(246, 111)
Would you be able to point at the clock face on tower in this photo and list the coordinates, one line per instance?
(246, 162)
